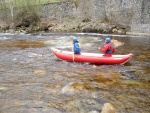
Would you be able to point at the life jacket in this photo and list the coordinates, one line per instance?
(109, 51)
(76, 48)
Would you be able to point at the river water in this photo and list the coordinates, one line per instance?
(33, 80)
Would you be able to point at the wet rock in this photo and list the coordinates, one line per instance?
(39, 72)
(108, 108)
(68, 89)
(93, 112)
(130, 74)
(71, 88)
(114, 30)
(85, 105)
(121, 31)
(3, 88)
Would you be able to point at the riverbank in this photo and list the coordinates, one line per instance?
(116, 17)
(85, 26)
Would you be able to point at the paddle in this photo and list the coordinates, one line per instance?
(73, 53)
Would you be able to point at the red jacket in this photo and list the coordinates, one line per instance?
(108, 49)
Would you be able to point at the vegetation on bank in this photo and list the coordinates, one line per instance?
(27, 11)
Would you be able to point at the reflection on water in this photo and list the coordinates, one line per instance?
(32, 79)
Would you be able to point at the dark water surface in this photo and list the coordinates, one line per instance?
(33, 80)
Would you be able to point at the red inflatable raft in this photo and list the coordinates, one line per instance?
(91, 57)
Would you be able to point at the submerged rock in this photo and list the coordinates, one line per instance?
(68, 89)
(93, 112)
(108, 108)
(3, 88)
(84, 105)
(72, 88)
(130, 74)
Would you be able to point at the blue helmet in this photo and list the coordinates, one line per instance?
(74, 39)
(108, 40)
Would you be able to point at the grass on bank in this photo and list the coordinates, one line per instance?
(21, 3)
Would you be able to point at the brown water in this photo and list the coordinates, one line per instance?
(33, 80)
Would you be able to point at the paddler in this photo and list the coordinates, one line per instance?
(76, 47)
(108, 49)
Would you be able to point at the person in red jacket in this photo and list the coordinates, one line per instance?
(108, 49)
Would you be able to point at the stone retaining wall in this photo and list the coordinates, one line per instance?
(142, 28)
(59, 11)
(128, 13)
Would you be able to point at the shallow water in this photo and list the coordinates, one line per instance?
(33, 80)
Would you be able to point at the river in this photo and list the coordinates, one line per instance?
(33, 80)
